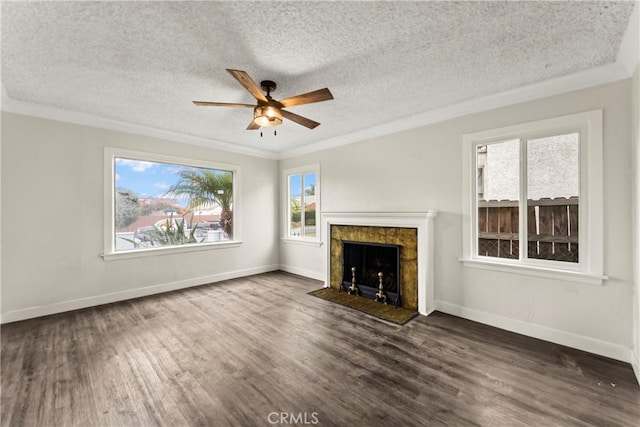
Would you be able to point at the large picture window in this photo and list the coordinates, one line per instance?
(302, 202)
(158, 203)
(534, 197)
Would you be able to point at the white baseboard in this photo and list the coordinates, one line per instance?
(75, 304)
(580, 342)
(635, 364)
(302, 272)
(427, 313)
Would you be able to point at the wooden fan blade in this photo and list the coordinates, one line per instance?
(243, 78)
(307, 98)
(253, 126)
(299, 119)
(220, 104)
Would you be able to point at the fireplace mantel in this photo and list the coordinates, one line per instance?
(422, 221)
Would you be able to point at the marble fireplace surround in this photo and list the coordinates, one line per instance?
(422, 221)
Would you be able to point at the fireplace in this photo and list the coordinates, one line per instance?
(380, 241)
(417, 276)
(372, 270)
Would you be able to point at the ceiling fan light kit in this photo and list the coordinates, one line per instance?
(266, 115)
(269, 112)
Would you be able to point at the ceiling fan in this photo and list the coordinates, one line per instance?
(269, 112)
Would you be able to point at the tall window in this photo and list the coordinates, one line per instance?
(156, 203)
(536, 195)
(302, 202)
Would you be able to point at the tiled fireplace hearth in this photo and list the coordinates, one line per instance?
(411, 232)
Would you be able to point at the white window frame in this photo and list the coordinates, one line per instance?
(302, 170)
(589, 269)
(110, 154)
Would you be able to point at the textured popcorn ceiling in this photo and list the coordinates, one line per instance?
(144, 62)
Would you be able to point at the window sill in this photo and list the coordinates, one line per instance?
(301, 241)
(140, 253)
(527, 270)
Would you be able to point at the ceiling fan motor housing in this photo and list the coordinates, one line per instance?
(268, 86)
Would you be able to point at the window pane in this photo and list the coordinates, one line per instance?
(164, 204)
(498, 177)
(295, 201)
(553, 190)
(310, 204)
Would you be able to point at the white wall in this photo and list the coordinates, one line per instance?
(420, 169)
(59, 168)
(51, 260)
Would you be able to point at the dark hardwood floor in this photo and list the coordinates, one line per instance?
(260, 351)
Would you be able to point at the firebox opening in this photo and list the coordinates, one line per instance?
(369, 263)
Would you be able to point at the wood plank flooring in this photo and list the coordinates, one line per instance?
(234, 352)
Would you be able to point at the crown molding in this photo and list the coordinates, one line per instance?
(582, 80)
(11, 105)
(624, 67)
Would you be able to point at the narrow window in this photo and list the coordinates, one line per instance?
(553, 197)
(498, 203)
(302, 202)
(295, 206)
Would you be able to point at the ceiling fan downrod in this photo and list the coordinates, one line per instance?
(268, 86)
